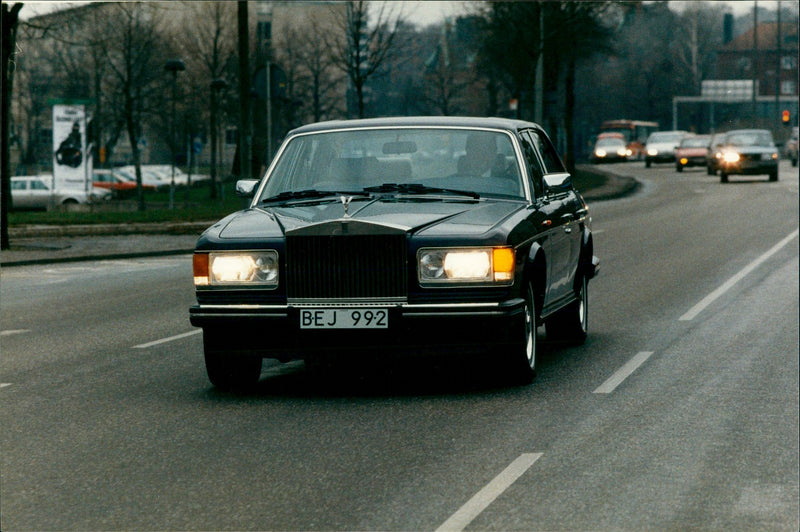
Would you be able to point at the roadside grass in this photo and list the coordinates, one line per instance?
(196, 207)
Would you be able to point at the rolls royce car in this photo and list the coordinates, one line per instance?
(748, 152)
(397, 237)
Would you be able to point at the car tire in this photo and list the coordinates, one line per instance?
(571, 325)
(647, 163)
(679, 168)
(794, 162)
(723, 177)
(228, 371)
(523, 354)
(773, 176)
(710, 171)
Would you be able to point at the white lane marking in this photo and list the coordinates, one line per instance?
(14, 331)
(710, 298)
(624, 372)
(165, 340)
(4, 384)
(477, 504)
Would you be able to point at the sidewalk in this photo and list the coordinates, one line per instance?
(32, 245)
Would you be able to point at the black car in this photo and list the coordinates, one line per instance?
(405, 236)
(748, 152)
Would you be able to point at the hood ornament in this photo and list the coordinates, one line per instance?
(346, 204)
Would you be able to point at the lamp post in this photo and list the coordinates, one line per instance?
(174, 66)
(217, 85)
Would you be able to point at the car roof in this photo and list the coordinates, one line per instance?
(422, 121)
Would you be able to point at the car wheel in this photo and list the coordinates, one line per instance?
(228, 371)
(679, 168)
(723, 177)
(647, 163)
(571, 324)
(773, 176)
(522, 359)
(710, 171)
(794, 162)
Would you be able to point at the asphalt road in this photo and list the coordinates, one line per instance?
(680, 411)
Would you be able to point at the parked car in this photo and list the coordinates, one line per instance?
(610, 149)
(791, 147)
(692, 151)
(714, 153)
(356, 242)
(119, 185)
(149, 178)
(181, 177)
(749, 152)
(660, 146)
(37, 193)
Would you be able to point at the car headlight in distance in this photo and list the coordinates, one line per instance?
(652, 152)
(622, 152)
(600, 153)
(236, 267)
(466, 265)
(730, 157)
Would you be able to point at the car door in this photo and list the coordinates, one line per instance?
(545, 211)
(20, 195)
(566, 235)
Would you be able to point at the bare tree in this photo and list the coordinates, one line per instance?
(208, 46)
(364, 42)
(135, 62)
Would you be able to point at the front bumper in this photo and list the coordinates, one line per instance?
(750, 167)
(274, 331)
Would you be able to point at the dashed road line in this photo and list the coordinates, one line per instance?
(477, 504)
(713, 296)
(170, 339)
(623, 373)
(14, 331)
(4, 384)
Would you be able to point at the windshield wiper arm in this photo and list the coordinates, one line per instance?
(416, 188)
(310, 194)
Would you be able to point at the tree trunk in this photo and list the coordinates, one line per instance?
(9, 22)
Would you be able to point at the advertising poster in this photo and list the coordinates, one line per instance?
(71, 166)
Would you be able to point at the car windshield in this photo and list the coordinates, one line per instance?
(665, 137)
(751, 138)
(610, 143)
(474, 161)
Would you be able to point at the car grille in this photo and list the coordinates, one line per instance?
(321, 267)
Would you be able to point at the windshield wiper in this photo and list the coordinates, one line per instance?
(310, 194)
(416, 188)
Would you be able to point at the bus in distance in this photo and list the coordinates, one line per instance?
(635, 133)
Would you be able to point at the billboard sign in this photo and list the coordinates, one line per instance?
(72, 163)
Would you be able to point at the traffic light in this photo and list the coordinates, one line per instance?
(786, 117)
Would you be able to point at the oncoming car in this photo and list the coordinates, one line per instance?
(608, 149)
(397, 237)
(748, 152)
(660, 147)
(692, 151)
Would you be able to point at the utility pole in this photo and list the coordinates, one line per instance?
(245, 160)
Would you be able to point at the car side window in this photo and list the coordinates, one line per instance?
(552, 162)
(535, 169)
(38, 185)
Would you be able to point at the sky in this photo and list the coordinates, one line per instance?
(422, 13)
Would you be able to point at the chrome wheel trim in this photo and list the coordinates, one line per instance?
(583, 307)
(530, 331)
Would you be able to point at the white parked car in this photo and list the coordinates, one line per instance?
(34, 192)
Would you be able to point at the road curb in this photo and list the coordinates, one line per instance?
(50, 231)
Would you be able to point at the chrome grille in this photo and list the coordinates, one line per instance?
(346, 266)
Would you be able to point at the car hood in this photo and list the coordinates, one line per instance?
(661, 145)
(418, 216)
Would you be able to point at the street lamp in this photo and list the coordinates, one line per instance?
(217, 85)
(174, 66)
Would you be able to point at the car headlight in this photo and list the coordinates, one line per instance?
(466, 265)
(239, 267)
(600, 153)
(730, 157)
(652, 152)
(622, 152)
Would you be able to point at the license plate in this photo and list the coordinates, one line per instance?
(351, 318)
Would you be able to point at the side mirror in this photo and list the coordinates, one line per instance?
(558, 182)
(246, 188)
